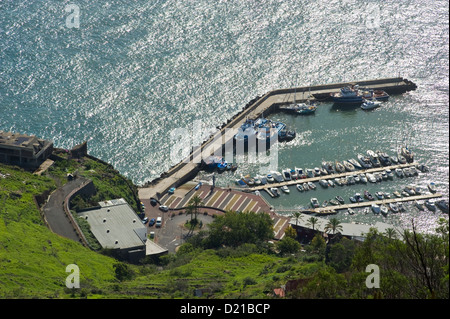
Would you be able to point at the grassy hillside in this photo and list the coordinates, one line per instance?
(33, 260)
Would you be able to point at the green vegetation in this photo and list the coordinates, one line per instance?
(233, 257)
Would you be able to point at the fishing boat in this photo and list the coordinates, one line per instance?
(305, 109)
(407, 154)
(364, 161)
(275, 191)
(328, 166)
(348, 166)
(340, 168)
(315, 202)
(311, 185)
(419, 205)
(299, 187)
(375, 208)
(384, 209)
(348, 95)
(393, 207)
(340, 199)
(374, 95)
(370, 104)
(430, 205)
(285, 189)
(245, 132)
(442, 205)
(432, 187)
(355, 163)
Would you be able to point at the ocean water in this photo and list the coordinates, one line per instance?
(134, 71)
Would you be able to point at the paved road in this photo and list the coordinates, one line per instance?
(53, 210)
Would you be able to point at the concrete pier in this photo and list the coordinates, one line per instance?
(261, 106)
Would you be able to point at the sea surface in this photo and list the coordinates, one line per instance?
(132, 72)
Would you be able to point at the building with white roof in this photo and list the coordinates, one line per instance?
(116, 226)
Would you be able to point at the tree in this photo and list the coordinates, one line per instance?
(333, 225)
(288, 246)
(390, 233)
(312, 221)
(290, 232)
(234, 229)
(297, 216)
(192, 209)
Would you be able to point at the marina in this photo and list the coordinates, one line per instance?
(261, 106)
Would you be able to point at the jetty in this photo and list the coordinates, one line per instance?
(329, 176)
(264, 105)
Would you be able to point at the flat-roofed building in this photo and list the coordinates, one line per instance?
(116, 226)
(26, 151)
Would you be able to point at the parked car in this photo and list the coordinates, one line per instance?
(152, 222)
(164, 208)
(145, 220)
(159, 222)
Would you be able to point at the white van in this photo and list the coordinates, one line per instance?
(158, 222)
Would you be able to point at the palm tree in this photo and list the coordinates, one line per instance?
(312, 221)
(298, 216)
(390, 233)
(333, 225)
(195, 202)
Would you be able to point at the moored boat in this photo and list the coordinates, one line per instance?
(407, 154)
(384, 209)
(311, 185)
(442, 205)
(393, 207)
(432, 187)
(299, 187)
(418, 205)
(340, 199)
(285, 189)
(275, 191)
(348, 95)
(315, 202)
(370, 104)
(340, 168)
(430, 205)
(355, 163)
(375, 209)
